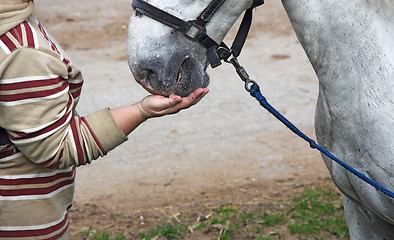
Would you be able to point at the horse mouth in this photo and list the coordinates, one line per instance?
(191, 75)
(149, 79)
(180, 77)
(183, 77)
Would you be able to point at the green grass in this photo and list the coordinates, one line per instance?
(316, 210)
(168, 231)
(102, 236)
(316, 213)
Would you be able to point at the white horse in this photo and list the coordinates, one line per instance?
(349, 43)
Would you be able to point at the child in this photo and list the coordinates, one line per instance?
(39, 90)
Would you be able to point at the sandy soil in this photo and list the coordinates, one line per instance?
(225, 150)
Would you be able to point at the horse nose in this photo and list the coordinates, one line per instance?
(152, 77)
(149, 74)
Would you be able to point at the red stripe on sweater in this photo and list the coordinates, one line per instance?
(36, 233)
(44, 33)
(76, 85)
(57, 236)
(16, 32)
(8, 153)
(94, 136)
(36, 191)
(52, 163)
(7, 41)
(53, 126)
(39, 180)
(29, 35)
(77, 142)
(67, 62)
(31, 84)
(55, 48)
(34, 94)
(76, 94)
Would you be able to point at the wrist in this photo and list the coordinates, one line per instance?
(141, 111)
(128, 118)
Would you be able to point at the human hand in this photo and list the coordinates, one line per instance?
(156, 105)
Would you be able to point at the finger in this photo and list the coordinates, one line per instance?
(178, 103)
(203, 94)
(174, 100)
(192, 99)
(197, 95)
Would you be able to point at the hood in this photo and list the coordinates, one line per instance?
(12, 13)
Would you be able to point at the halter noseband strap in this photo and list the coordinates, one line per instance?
(195, 30)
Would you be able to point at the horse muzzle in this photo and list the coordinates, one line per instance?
(179, 74)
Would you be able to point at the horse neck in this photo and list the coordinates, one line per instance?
(349, 43)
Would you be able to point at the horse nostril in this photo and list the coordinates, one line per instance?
(150, 74)
(152, 79)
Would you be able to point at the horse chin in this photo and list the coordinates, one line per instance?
(179, 78)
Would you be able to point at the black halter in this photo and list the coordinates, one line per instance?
(195, 30)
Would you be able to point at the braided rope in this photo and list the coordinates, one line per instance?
(256, 93)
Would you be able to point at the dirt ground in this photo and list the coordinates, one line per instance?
(225, 150)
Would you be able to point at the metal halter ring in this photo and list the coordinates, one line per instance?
(193, 30)
(242, 73)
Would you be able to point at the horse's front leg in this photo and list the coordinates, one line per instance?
(361, 221)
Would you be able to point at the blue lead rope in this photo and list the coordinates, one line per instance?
(255, 92)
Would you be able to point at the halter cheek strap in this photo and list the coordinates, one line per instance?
(195, 30)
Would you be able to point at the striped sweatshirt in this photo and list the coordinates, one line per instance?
(39, 90)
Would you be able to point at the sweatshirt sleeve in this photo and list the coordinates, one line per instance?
(38, 93)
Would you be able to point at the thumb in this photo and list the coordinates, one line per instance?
(174, 100)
